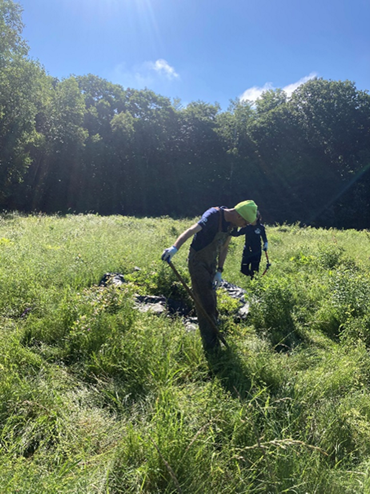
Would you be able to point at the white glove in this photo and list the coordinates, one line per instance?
(265, 246)
(217, 280)
(169, 253)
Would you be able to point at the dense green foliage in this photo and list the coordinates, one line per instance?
(84, 144)
(98, 397)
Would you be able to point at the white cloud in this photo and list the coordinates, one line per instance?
(292, 87)
(143, 75)
(164, 68)
(253, 93)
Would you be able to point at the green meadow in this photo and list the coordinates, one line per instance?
(98, 397)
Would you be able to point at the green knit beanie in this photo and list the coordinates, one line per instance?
(247, 210)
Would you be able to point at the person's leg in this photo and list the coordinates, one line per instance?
(245, 265)
(244, 268)
(255, 264)
(205, 299)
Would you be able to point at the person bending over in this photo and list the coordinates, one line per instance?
(207, 254)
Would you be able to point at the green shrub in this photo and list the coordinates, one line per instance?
(330, 257)
(271, 312)
(356, 330)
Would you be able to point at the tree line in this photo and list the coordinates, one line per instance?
(83, 144)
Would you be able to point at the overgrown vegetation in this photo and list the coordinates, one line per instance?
(97, 397)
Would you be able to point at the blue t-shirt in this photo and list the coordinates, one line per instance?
(253, 235)
(210, 227)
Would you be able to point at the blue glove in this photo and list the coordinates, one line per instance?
(217, 280)
(169, 253)
(265, 246)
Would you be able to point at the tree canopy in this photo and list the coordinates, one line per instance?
(84, 144)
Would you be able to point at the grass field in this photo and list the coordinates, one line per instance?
(97, 397)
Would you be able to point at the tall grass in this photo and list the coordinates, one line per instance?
(97, 397)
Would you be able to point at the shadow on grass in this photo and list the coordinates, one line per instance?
(227, 366)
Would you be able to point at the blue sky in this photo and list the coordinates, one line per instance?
(208, 50)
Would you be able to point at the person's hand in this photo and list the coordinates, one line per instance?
(169, 253)
(265, 246)
(217, 280)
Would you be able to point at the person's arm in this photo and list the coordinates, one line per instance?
(222, 255)
(263, 234)
(171, 251)
(264, 238)
(217, 279)
(239, 233)
(187, 234)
